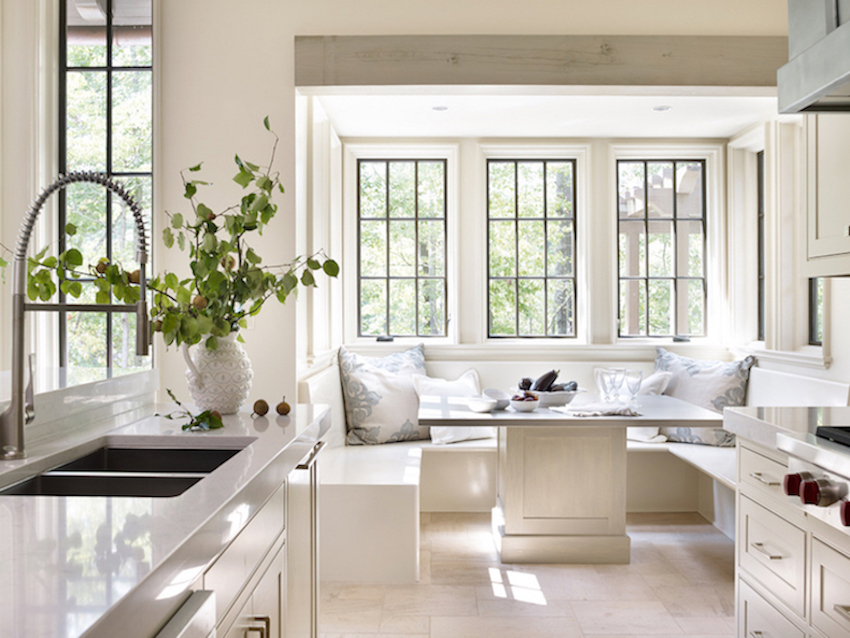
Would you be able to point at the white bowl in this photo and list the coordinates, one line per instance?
(502, 398)
(482, 404)
(524, 406)
(558, 398)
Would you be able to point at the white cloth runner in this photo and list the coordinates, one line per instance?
(599, 409)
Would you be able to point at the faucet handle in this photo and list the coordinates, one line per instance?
(29, 395)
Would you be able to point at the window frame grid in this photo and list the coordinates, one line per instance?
(109, 69)
(545, 219)
(416, 278)
(674, 220)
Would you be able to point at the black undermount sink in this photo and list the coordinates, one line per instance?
(115, 471)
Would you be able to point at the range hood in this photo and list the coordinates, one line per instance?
(817, 76)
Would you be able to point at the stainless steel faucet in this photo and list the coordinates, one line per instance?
(22, 409)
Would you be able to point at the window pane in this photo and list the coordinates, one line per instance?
(689, 189)
(431, 189)
(86, 209)
(502, 308)
(532, 313)
(131, 120)
(86, 33)
(630, 189)
(124, 224)
(432, 307)
(124, 341)
(86, 341)
(131, 37)
(402, 248)
(373, 189)
(691, 307)
(560, 249)
(403, 307)
(690, 249)
(502, 249)
(661, 298)
(432, 248)
(660, 182)
(502, 189)
(632, 249)
(530, 176)
(632, 308)
(373, 249)
(531, 249)
(561, 319)
(661, 249)
(402, 189)
(86, 113)
(559, 189)
(373, 307)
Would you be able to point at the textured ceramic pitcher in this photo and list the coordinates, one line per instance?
(219, 379)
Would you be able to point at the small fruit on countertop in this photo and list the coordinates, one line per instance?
(216, 414)
(283, 407)
(525, 384)
(200, 302)
(261, 408)
(545, 381)
(135, 277)
(525, 396)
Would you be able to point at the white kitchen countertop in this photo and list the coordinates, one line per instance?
(121, 566)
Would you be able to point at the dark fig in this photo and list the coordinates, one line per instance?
(571, 386)
(545, 381)
(557, 387)
(525, 384)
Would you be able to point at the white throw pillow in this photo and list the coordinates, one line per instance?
(466, 385)
(381, 405)
(655, 383)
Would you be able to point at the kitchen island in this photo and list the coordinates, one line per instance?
(122, 566)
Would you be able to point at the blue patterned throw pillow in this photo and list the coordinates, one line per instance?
(713, 385)
(381, 404)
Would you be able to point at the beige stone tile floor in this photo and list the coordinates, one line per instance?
(679, 583)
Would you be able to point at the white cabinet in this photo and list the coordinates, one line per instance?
(262, 614)
(827, 160)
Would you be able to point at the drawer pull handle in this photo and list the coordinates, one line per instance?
(759, 547)
(761, 478)
(757, 634)
(843, 611)
(305, 465)
(265, 630)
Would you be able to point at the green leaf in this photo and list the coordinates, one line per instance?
(243, 178)
(169, 323)
(205, 324)
(181, 241)
(289, 281)
(264, 183)
(176, 220)
(74, 257)
(75, 289)
(243, 323)
(259, 203)
(312, 264)
(331, 268)
(41, 253)
(195, 168)
(102, 296)
(252, 167)
(253, 257)
(32, 290)
(188, 327)
(70, 229)
(171, 281)
(191, 189)
(211, 343)
(307, 278)
(50, 262)
(204, 211)
(239, 338)
(239, 163)
(266, 123)
(167, 237)
(183, 296)
(209, 243)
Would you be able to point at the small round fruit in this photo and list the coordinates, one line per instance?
(283, 407)
(261, 408)
(101, 267)
(135, 276)
(228, 262)
(211, 216)
(157, 326)
(216, 414)
(200, 302)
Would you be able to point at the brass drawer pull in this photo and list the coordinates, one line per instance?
(305, 465)
(757, 634)
(265, 630)
(761, 478)
(759, 547)
(843, 611)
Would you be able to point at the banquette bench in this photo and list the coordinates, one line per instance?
(372, 495)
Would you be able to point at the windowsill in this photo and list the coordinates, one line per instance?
(805, 357)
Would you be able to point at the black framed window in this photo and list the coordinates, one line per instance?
(760, 198)
(816, 311)
(106, 125)
(531, 247)
(661, 247)
(401, 210)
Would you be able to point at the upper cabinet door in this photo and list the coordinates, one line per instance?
(828, 159)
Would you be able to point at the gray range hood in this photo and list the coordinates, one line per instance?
(817, 76)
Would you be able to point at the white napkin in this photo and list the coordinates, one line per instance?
(598, 409)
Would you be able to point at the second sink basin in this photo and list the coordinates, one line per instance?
(88, 485)
(160, 460)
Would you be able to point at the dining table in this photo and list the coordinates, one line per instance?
(561, 481)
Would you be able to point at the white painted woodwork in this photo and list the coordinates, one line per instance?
(762, 474)
(265, 601)
(302, 575)
(830, 578)
(757, 617)
(538, 60)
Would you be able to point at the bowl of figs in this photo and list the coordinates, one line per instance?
(550, 392)
(525, 401)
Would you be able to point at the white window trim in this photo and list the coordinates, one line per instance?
(581, 183)
(398, 150)
(714, 157)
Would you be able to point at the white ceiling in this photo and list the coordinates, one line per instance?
(544, 115)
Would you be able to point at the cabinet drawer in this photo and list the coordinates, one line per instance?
(762, 474)
(830, 590)
(774, 552)
(757, 618)
(236, 563)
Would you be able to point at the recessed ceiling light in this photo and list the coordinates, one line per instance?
(661, 107)
(440, 108)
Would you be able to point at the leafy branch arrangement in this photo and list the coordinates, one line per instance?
(206, 420)
(229, 281)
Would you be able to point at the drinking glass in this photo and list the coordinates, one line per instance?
(603, 383)
(633, 380)
(616, 377)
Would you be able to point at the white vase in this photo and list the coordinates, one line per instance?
(219, 379)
